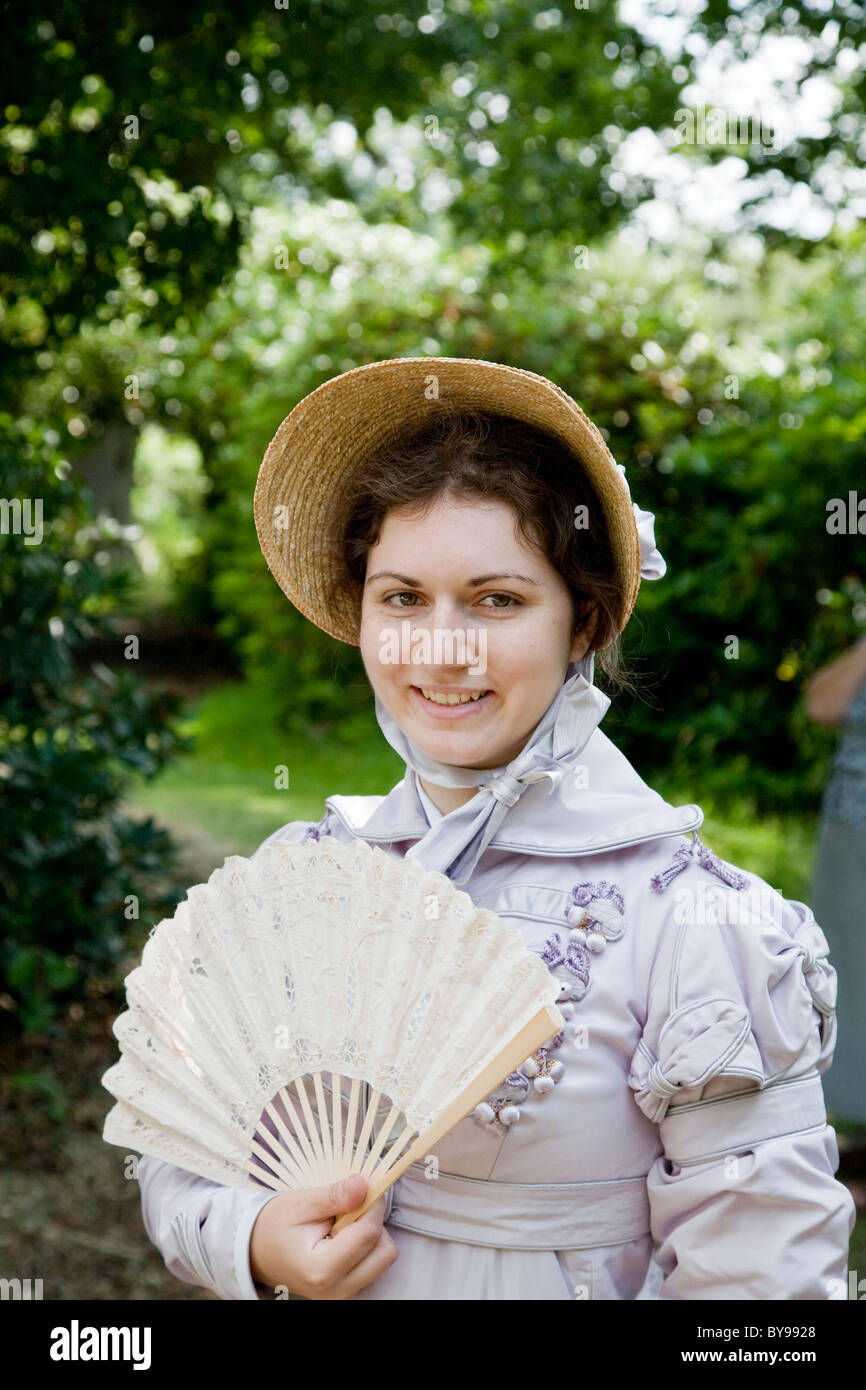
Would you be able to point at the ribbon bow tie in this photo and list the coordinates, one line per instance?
(455, 843)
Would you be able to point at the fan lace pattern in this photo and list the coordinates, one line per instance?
(313, 958)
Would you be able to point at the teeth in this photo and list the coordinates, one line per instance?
(451, 699)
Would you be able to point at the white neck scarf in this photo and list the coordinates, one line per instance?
(454, 844)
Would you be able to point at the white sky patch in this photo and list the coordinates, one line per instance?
(343, 137)
(665, 23)
(686, 191)
(764, 86)
(436, 193)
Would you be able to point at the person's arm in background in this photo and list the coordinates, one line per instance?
(831, 690)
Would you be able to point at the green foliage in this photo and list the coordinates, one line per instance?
(136, 141)
(228, 788)
(305, 189)
(742, 521)
(42, 1087)
(70, 734)
(735, 442)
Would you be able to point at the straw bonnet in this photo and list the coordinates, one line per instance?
(301, 503)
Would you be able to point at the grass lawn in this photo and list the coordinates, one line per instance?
(226, 787)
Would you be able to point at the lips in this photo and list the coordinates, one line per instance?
(450, 703)
(450, 697)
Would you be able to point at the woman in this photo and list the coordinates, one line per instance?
(672, 1141)
(837, 695)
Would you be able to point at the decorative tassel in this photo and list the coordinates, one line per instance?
(680, 861)
(706, 859)
(714, 864)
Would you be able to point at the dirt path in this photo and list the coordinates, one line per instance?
(68, 1214)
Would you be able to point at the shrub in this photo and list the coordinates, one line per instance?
(74, 866)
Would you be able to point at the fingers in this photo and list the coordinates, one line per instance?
(349, 1247)
(321, 1203)
(365, 1271)
(298, 1247)
(376, 1256)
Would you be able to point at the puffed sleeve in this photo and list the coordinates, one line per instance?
(740, 1027)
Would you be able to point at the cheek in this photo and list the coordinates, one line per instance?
(373, 625)
(531, 646)
(366, 638)
(370, 655)
(534, 657)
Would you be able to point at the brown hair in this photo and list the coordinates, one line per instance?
(479, 454)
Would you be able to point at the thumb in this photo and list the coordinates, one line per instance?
(335, 1198)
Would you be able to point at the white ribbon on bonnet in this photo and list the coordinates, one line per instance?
(652, 561)
(454, 844)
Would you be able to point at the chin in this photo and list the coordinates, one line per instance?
(472, 753)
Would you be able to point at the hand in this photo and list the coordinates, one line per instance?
(288, 1244)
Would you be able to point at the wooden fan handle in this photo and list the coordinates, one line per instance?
(546, 1022)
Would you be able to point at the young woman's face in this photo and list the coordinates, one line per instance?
(464, 568)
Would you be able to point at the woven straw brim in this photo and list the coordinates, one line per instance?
(301, 504)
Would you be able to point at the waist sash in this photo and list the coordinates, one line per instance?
(520, 1216)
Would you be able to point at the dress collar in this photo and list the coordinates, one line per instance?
(604, 805)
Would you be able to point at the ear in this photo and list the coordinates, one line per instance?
(583, 636)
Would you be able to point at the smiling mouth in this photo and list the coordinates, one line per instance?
(451, 697)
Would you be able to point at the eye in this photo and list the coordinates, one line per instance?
(403, 594)
(510, 600)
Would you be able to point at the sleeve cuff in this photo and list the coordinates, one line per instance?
(212, 1240)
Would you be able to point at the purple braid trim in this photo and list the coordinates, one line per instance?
(714, 864)
(576, 958)
(706, 859)
(315, 832)
(680, 861)
(518, 1080)
(584, 893)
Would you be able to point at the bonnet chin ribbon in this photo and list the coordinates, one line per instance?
(455, 843)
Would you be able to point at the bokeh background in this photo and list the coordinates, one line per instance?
(207, 212)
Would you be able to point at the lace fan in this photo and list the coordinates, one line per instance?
(311, 959)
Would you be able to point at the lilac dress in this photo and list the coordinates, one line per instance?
(683, 1151)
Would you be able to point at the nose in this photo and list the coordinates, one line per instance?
(444, 613)
(449, 649)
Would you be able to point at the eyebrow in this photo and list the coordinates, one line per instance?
(473, 583)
